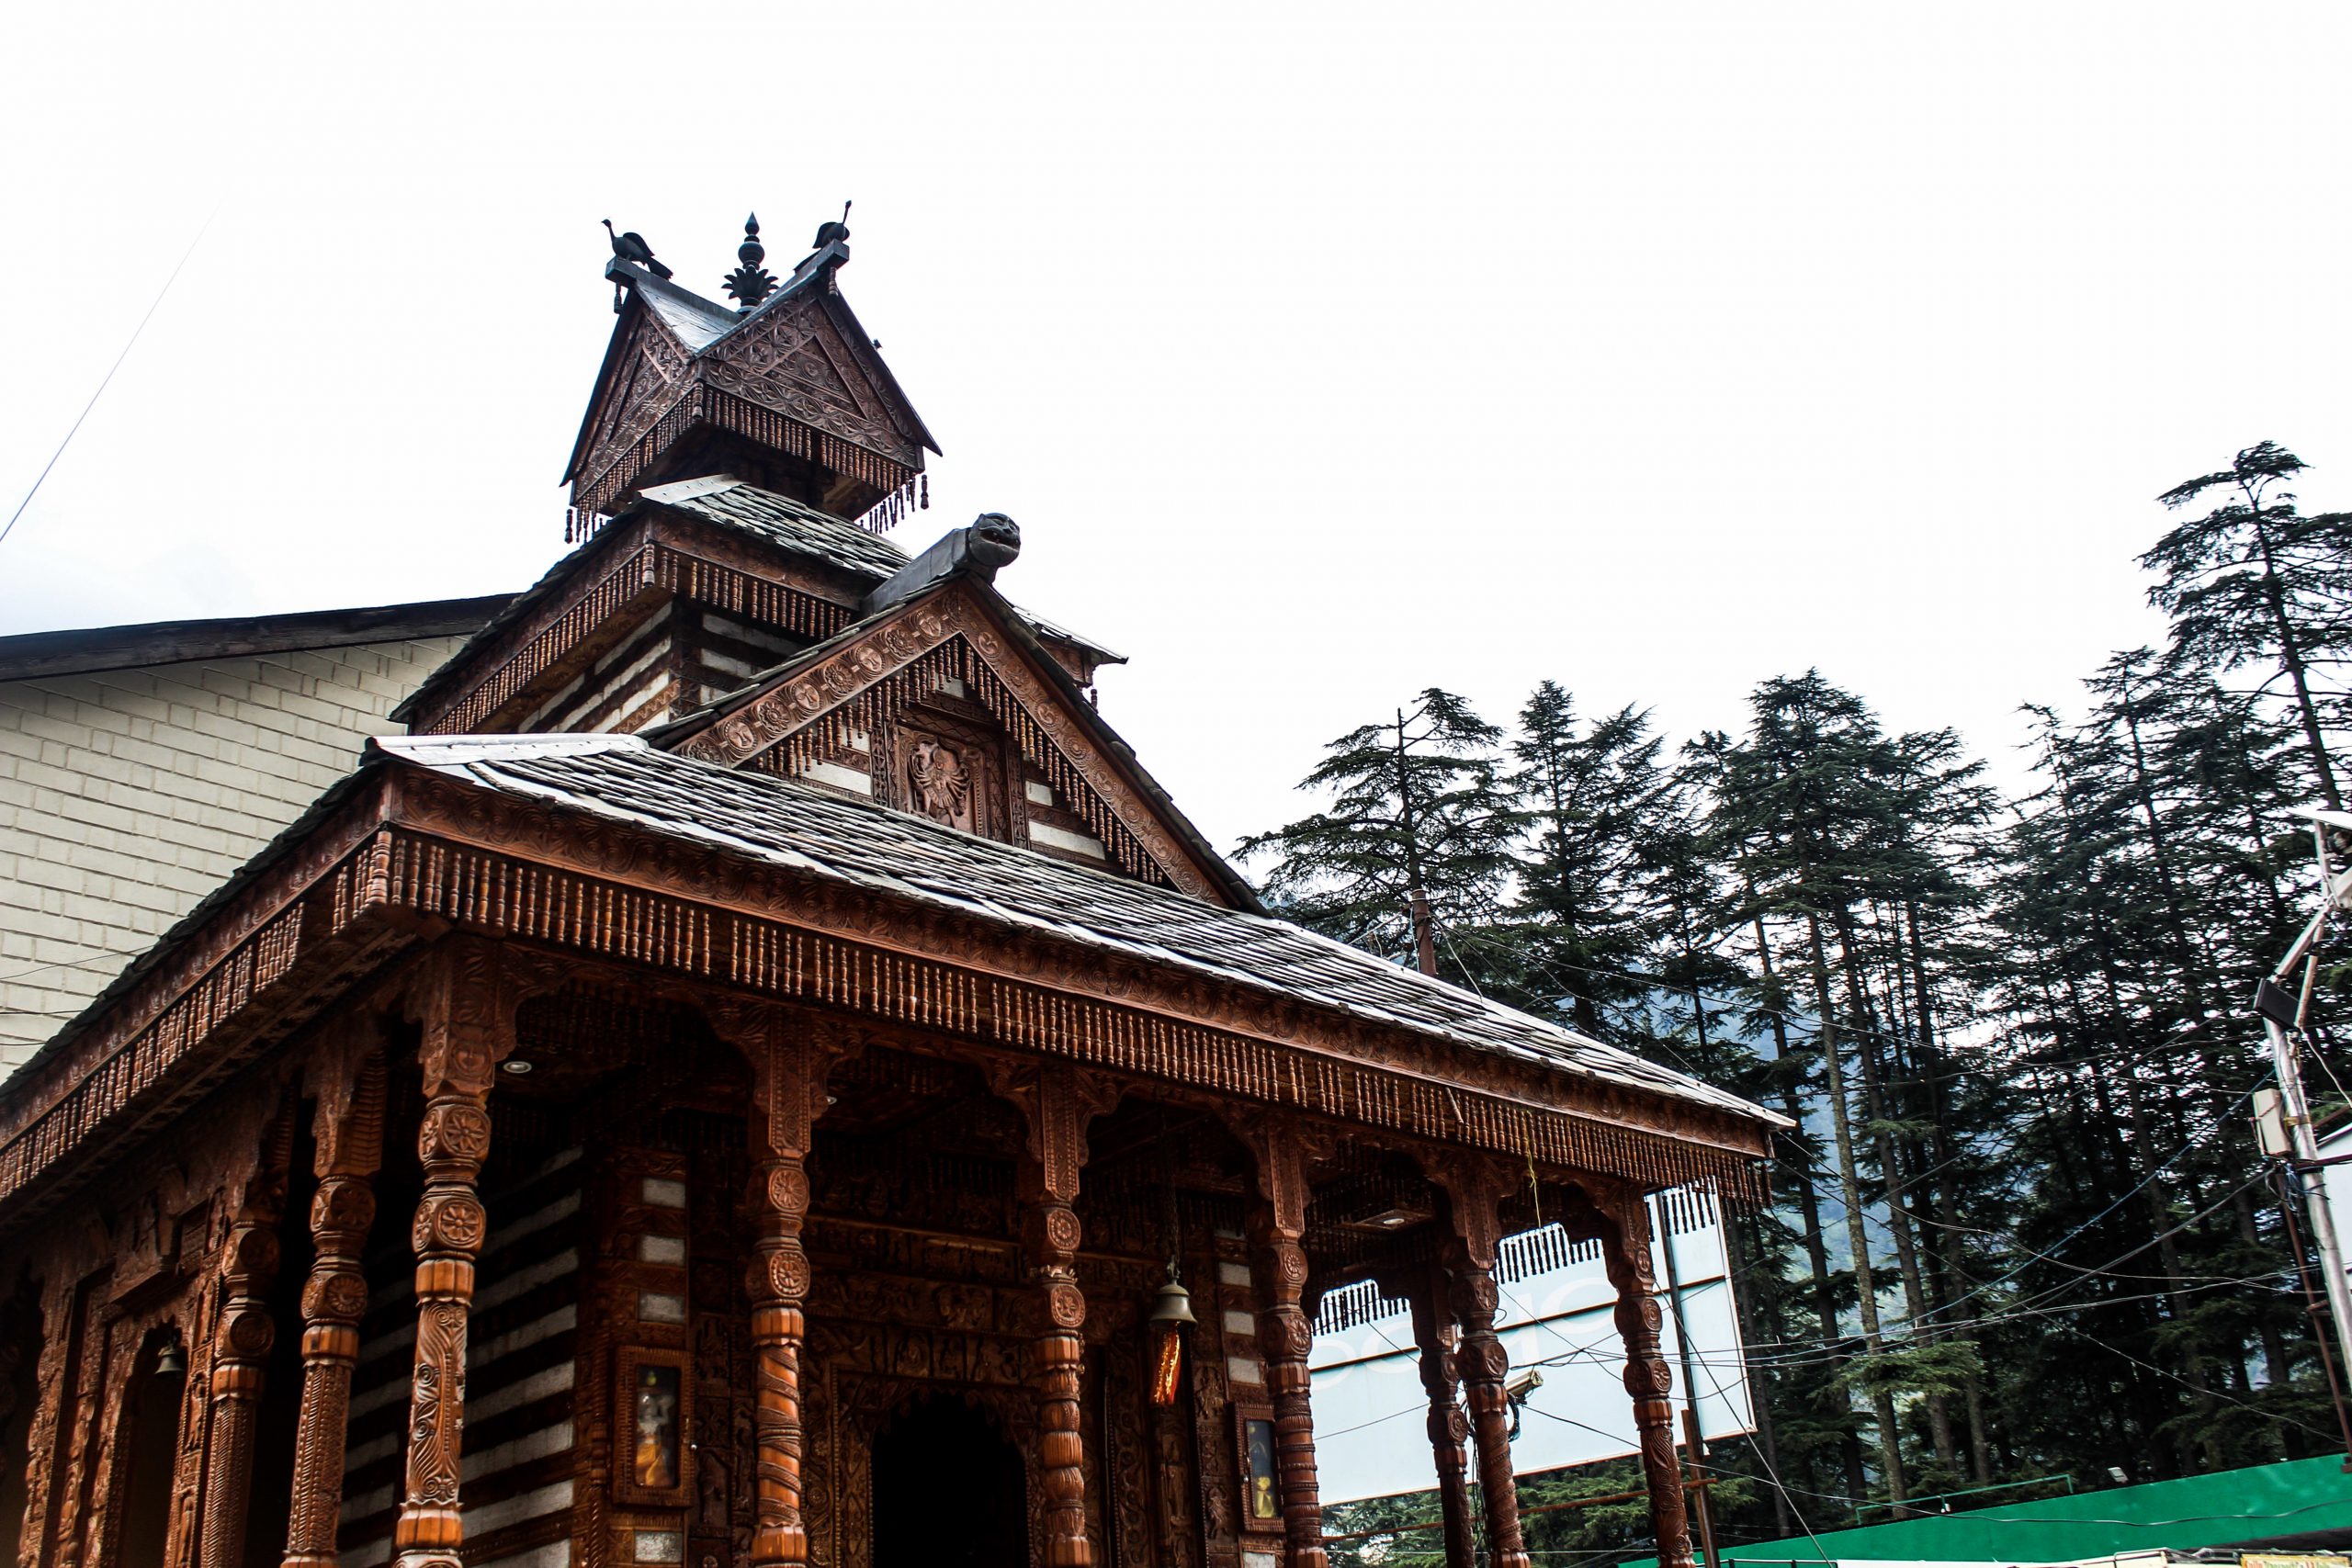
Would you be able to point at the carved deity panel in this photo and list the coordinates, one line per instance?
(953, 773)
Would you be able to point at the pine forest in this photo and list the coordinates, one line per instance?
(2022, 1234)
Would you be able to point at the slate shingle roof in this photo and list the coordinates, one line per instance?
(785, 523)
(791, 525)
(762, 818)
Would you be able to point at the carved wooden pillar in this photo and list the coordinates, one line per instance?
(350, 1141)
(789, 1061)
(465, 1033)
(241, 1348)
(1285, 1332)
(1623, 1221)
(1449, 1428)
(61, 1314)
(1057, 1102)
(1474, 1194)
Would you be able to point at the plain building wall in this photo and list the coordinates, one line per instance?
(126, 795)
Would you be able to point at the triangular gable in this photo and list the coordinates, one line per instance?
(645, 373)
(792, 356)
(816, 709)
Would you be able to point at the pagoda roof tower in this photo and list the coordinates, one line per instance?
(788, 392)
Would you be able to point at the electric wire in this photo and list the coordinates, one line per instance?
(103, 382)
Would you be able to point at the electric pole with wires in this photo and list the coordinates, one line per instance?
(2283, 1119)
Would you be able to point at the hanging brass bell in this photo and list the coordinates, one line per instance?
(1173, 1305)
(170, 1359)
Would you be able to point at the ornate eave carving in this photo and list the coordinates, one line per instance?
(655, 559)
(253, 974)
(417, 852)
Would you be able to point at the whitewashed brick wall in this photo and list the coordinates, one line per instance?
(126, 795)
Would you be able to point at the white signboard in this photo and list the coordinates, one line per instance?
(1557, 1323)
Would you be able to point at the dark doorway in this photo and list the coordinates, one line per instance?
(948, 1491)
(151, 1452)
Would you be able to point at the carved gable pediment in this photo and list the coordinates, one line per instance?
(942, 710)
(646, 374)
(805, 357)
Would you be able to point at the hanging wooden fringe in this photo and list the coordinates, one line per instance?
(926, 493)
(893, 509)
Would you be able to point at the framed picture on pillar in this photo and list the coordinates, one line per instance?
(653, 1393)
(1254, 1445)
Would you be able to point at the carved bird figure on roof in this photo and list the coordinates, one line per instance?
(827, 233)
(631, 247)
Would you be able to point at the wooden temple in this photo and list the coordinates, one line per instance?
(735, 1084)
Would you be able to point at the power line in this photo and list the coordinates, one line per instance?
(102, 383)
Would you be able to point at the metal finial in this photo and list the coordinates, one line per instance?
(750, 283)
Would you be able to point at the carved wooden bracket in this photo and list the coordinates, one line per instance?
(1057, 1103)
(1475, 1190)
(1284, 1149)
(464, 993)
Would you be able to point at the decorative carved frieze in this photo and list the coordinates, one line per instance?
(485, 860)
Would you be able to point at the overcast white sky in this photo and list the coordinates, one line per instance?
(1323, 353)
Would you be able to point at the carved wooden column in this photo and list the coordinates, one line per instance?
(349, 1135)
(1285, 1332)
(1057, 1102)
(241, 1349)
(60, 1312)
(1623, 1222)
(465, 1030)
(1474, 1192)
(1449, 1428)
(789, 1060)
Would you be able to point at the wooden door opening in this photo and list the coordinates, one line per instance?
(949, 1491)
(151, 1453)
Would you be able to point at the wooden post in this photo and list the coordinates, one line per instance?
(61, 1314)
(1057, 1102)
(1449, 1428)
(1285, 1334)
(242, 1344)
(350, 1141)
(465, 1033)
(1476, 1193)
(1625, 1226)
(789, 1063)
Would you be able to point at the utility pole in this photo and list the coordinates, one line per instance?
(2284, 1018)
(1662, 1227)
